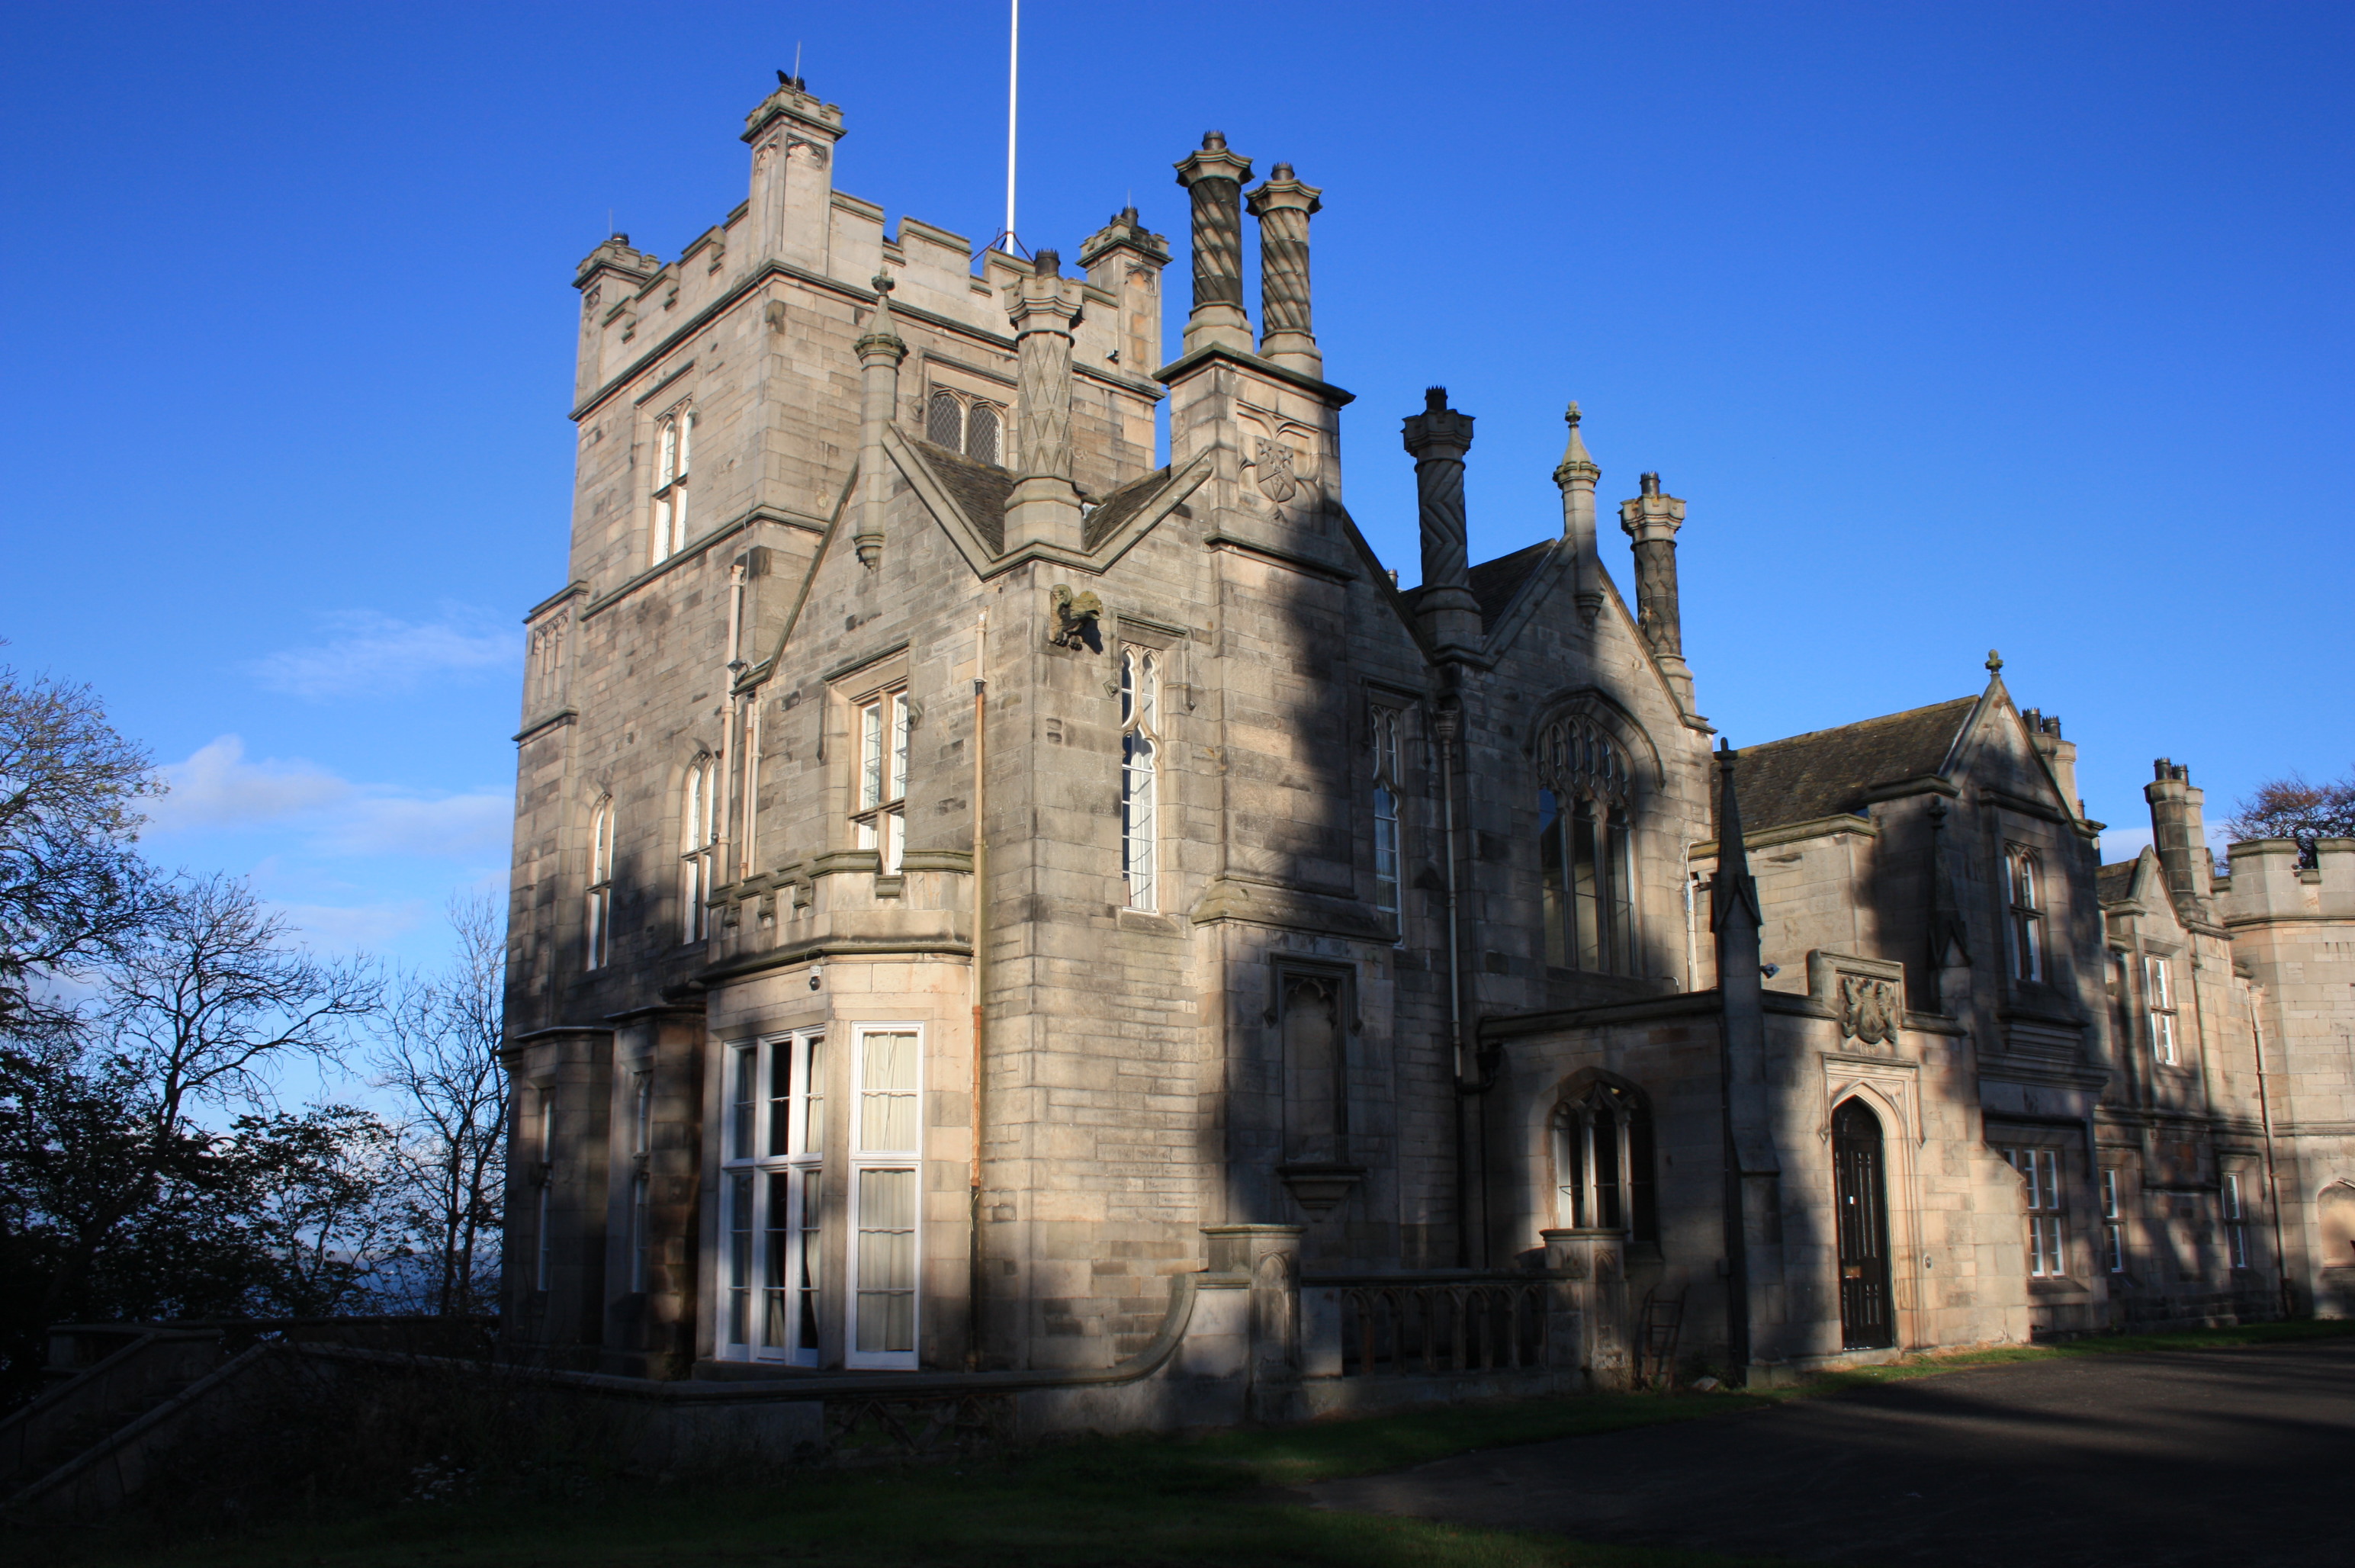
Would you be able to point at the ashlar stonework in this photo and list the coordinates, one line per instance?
(983, 888)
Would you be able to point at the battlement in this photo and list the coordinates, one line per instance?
(2267, 882)
(794, 223)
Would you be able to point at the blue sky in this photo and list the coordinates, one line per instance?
(1956, 326)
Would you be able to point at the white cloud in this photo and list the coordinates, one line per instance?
(218, 789)
(374, 653)
(2123, 843)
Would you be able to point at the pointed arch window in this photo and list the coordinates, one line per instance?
(965, 425)
(674, 449)
(1602, 1163)
(599, 917)
(2023, 880)
(1386, 817)
(1140, 757)
(699, 833)
(1585, 847)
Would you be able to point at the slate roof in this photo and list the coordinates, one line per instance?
(1827, 772)
(978, 488)
(1494, 582)
(1118, 507)
(2113, 884)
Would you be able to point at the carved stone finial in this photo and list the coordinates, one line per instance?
(1994, 662)
(1573, 417)
(882, 283)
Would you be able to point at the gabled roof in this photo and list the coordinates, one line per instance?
(2114, 884)
(1827, 772)
(1119, 506)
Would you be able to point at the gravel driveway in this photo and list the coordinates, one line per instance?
(2239, 1457)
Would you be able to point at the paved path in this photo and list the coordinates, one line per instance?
(2242, 1457)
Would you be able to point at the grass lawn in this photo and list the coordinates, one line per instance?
(1137, 1502)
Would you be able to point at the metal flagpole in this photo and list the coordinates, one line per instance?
(1013, 82)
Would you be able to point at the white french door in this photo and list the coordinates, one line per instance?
(772, 1180)
(886, 1186)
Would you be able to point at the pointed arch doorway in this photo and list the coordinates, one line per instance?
(1860, 1195)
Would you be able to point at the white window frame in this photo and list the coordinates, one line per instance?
(2158, 1000)
(766, 1277)
(2236, 1219)
(880, 723)
(2048, 1236)
(598, 913)
(866, 1161)
(1140, 775)
(698, 841)
(1388, 845)
(667, 511)
(2114, 1248)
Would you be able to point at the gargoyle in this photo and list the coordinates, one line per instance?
(1075, 619)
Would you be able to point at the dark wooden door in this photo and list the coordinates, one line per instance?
(1866, 1321)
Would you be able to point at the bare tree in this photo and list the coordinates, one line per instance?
(2290, 807)
(437, 1048)
(71, 889)
(211, 999)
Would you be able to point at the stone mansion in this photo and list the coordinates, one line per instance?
(981, 882)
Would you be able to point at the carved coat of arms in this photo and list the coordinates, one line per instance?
(1869, 1010)
(1276, 480)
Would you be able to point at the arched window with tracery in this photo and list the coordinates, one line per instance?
(944, 421)
(981, 433)
(1585, 846)
(699, 830)
(1602, 1163)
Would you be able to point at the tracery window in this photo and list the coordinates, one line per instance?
(673, 446)
(698, 832)
(598, 920)
(774, 1158)
(1603, 1164)
(964, 425)
(2023, 888)
(880, 819)
(1584, 821)
(1385, 817)
(1140, 753)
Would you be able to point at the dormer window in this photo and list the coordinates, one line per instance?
(674, 447)
(2024, 897)
(965, 425)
